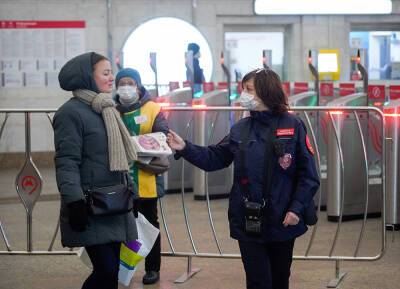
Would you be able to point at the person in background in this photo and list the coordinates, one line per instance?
(141, 116)
(85, 157)
(198, 75)
(265, 209)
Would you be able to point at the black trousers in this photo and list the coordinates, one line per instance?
(105, 261)
(267, 265)
(148, 208)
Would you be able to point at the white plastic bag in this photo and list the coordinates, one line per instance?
(83, 255)
(133, 252)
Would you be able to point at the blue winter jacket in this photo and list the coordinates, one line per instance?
(294, 176)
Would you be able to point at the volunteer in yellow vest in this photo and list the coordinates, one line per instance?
(141, 115)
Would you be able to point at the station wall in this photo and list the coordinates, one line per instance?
(212, 17)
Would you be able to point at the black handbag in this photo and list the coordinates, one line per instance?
(110, 200)
(157, 166)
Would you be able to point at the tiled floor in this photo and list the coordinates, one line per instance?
(67, 272)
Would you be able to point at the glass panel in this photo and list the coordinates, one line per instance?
(382, 52)
(245, 51)
(169, 38)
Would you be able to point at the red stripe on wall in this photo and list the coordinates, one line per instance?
(26, 24)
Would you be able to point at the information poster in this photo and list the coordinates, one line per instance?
(33, 52)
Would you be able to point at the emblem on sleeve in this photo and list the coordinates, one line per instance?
(285, 161)
(309, 146)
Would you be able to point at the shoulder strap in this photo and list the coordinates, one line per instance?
(269, 160)
(244, 178)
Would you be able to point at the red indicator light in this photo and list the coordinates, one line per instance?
(199, 106)
(391, 114)
(336, 112)
(164, 104)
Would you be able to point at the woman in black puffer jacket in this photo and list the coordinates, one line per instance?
(83, 161)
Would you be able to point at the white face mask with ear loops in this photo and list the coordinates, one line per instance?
(248, 101)
(127, 94)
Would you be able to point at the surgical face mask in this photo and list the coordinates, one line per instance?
(248, 101)
(127, 94)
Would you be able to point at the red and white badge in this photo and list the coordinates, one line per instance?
(285, 161)
(309, 146)
(285, 132)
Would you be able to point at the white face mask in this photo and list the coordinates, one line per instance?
(248, 101)
(127, 94)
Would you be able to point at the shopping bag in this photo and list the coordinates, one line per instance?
(133, 252)
(83, 255)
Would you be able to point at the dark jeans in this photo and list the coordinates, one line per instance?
(148, 208)
(267, 265)
(105, 261)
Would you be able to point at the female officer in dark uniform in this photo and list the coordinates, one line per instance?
(275, 178)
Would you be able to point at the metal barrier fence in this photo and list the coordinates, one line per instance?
(29, 183)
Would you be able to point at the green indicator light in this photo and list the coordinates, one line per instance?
(313, 101)
(198, 94)
(233, 96)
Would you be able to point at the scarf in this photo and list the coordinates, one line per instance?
(120, 148)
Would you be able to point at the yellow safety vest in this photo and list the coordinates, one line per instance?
(140, 121)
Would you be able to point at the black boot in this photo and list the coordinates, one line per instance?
(151, 277)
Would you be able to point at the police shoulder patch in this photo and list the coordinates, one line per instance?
(309, 146)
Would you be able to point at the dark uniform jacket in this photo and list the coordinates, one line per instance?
(81, 160)
(294, 180)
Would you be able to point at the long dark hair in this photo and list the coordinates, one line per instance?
(268, 87)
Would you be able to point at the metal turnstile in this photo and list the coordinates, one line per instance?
(208, 128)
(309, 98)
(393, 165)
(355, 178)
(179, 122)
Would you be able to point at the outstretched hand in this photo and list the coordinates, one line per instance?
(175, 141)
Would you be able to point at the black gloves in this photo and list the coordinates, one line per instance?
(78, 215)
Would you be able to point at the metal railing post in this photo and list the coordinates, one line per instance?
(338, 276)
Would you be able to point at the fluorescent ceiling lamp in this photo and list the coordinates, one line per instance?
(327, 62)
(315, 7)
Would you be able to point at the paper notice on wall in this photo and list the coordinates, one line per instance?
(28, 64)
(38, 46)
(34, 79)
(74, 40)
(46, 64)
(11, 43)
(9, 65)
(13, 79)
(52, 79)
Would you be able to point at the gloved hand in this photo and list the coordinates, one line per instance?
(136, 208)
(78, 215)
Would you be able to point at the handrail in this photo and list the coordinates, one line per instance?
(175, 252)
